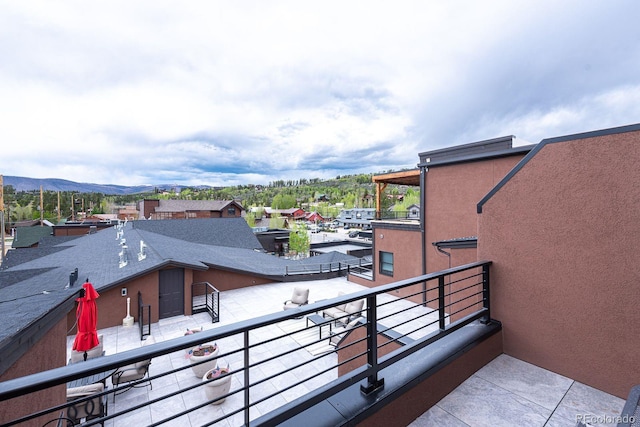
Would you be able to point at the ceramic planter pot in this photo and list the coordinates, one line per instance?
(203, 352)
(188, 351)
(218, 387)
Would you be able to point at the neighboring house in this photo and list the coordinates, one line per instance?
(187, 209)
(455, 179)
(108, 217)
(291, 213)
(29, 236)
(313, 217)
(413, 211)
(153, 258)
(356, 217)
(129, 213)
(265, 223)
(79, 228)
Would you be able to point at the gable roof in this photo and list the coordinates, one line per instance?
(194, 205)
(25, 237)
(36, 281)
(227, 232)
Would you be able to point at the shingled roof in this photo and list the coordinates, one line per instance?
(193, 205)
(35, 281)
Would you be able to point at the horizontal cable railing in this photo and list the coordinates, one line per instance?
(260, 365)
(205, 298)
(329, 267)
(380, 215)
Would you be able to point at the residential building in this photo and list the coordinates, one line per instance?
(290, 214)
(556, 224)
(356, 217)
(451, 181)
(187, 209)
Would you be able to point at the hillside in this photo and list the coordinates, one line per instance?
(20, 183)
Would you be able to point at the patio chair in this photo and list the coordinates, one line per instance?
(341, 332)
(133, 372)
(86, 409)
(299, 298)
(344, 313)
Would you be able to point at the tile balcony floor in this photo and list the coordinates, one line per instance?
(505, 392)
(510, 392)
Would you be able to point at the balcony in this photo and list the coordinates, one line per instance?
(283, 369)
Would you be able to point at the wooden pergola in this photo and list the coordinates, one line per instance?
(408, 177)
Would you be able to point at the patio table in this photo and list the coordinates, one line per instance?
(316, 319)
(99, 377)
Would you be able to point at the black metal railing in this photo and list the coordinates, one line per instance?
(144, 317)
(205, 298)
(275, 359)
(340, 267)
(385, 215)
(327, 267)
(362, 267)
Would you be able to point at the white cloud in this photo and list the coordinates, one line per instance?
(229, 92)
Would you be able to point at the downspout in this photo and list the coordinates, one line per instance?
(448, 254)
(442, 251)
(423, 233)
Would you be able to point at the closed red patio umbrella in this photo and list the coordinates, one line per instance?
(87, 318)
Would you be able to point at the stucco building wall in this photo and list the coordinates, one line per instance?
(451, 195)
(564, 239)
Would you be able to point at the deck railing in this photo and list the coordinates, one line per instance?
(341, 267)
(144, 317)
(205, 298)
(275, 359)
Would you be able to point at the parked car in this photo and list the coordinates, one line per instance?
(354, 233)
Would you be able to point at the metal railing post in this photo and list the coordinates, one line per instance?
(373, 382)
(441, 307)
(246, 378)
(486, 296)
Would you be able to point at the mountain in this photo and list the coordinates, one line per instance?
(53, 184)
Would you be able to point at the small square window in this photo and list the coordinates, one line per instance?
(386, 263)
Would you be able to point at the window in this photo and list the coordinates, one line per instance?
(386, 263)
(231, 210)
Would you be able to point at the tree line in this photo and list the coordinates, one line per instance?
(324, 196)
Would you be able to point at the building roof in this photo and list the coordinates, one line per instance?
(25, 237)
(475, 151)
(290, 211)
(408, 177)
(34, 281)
(193, 205)
(227, 232)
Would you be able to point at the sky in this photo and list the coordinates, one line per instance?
(240, 92)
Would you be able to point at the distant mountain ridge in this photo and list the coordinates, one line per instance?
(53, 184)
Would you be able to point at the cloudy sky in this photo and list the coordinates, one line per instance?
(239, 92)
